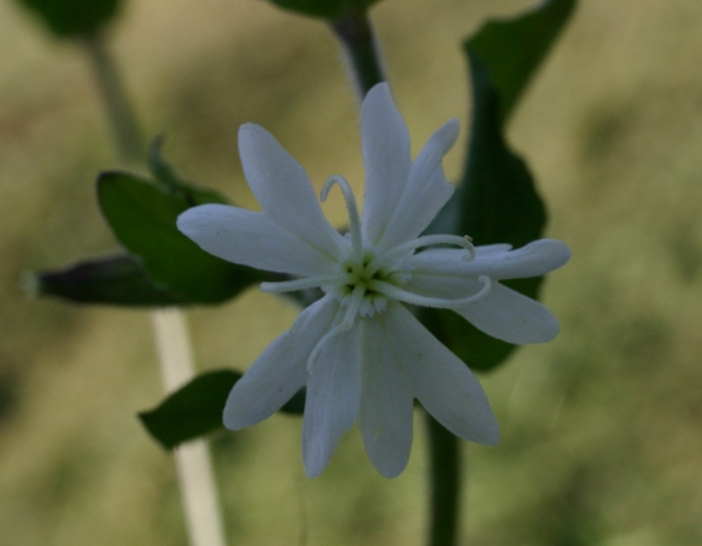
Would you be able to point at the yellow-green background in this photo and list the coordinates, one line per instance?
(602, 428)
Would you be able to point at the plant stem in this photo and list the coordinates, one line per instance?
(355, 32)
(197, 485)
(124, 125)
(196, 478)
(445, 478)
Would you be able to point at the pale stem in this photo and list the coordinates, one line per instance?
(193, 464)
(197, 485)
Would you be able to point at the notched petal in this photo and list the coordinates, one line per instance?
(426, 190)
(385, 144)
(249, 238)
(332, 402)
(283, 189)
(281, 370)
(441, 381)
(512, 317)
(386, 413)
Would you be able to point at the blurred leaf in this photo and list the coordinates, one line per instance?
(143, 217)
(512, 49)
(114, 280)
(329, 9)
(497, 197)
(196, 409)
(73, 18)
(497, 201)
(192, 411)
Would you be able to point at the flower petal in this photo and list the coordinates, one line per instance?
(385, 417)
(425, 192)
(532, 260)
(441, 382)
(245, 237)
(283, 189)
(386, 156)
(281, 370)
(444, 273)
(511, 317)
(333, 398)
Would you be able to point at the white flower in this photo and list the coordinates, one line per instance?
(362, 355)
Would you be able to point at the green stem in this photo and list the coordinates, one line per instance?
(124, 124)
(445, 477)
(355, 32)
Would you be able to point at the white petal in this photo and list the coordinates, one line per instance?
(333, 398)
(532, 260)
(245, 237)
(441, 381)
(284, 190)
(386, 156)
(497, 261)
(510, 316)
(281, 370)
(426, 191)
(385, 417)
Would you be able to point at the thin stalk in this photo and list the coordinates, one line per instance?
(125, 127)
(195, 476)
(356, 35)
(197, 485)
(445, 478)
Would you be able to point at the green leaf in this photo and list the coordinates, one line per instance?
(512, 49)
(497, 201)
(73, 18)
(192, 411)
(328, 9)
(143, 217)
(196, 409)
(113, 280)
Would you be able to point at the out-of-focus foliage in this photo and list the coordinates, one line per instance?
(513, 48)
(497, 200)
(143, 217)
(74, 18)
(114, 280)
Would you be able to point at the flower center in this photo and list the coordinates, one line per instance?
(365, 279)
(361, 280)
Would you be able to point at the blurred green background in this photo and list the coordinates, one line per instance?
(602, 428)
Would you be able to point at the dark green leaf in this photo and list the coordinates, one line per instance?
(196, 409)
(328, 9)
(192, 411)
(143, 217)
(497, 201)
(512, 49)
(497, 197)
(71, 18)
(114, 280)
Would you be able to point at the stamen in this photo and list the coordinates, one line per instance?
(393, 292)
(426, 240)
(344, 326)
(280, 287)
(354, 218)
